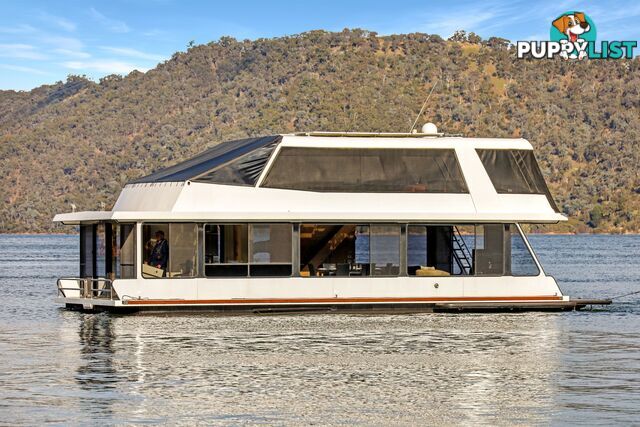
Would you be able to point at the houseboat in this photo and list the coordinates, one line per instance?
(324, 221)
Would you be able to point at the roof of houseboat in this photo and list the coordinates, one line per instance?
(333, 176)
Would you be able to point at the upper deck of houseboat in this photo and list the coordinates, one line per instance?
(332, 176)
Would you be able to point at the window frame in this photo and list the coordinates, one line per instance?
(517, 226)
(196, 266)
(529, 248)
(406, 249)
(369, 225)
(117, 234)
(278, 152)
(272, 147)
(544, 192)
(403, 227)
(249, 251)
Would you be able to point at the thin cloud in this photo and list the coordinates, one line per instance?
(72, 53)
(112, 25)
(19, 29)
(61, 42)
(104, 66)
(58, 21)
(154, 33)
(133, 53)
(21, 51)
(22, 69)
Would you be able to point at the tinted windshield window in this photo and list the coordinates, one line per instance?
(242, 171)
(516, 172)
(367, 170)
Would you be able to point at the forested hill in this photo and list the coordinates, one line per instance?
(79, 141)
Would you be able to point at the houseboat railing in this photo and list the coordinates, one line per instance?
(80, 287)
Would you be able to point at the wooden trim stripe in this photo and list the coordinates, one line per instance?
(340, 300)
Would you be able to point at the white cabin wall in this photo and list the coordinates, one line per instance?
(337, 287)
(219, 199)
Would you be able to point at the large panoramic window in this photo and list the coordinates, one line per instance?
(438, 250)
(516, 172)
(170, 250)
(367, 170)
(334, 250)
(270, 250)
(349, 250)
(226, 250)
(501, 250)
(243, 250)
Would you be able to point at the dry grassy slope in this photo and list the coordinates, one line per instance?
(79, 141)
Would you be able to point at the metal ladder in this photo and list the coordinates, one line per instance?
(461, 252)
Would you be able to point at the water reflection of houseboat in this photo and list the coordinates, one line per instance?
(324, 221)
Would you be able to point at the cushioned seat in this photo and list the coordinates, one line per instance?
(431, 271)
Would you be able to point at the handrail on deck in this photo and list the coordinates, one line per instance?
(88, 287)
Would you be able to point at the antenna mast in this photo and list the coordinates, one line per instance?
(423, 106)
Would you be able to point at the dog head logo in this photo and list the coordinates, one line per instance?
(573, 25)
(576, 28)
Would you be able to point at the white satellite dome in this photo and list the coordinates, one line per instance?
(429, 128)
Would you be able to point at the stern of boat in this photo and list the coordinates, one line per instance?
(86, 293)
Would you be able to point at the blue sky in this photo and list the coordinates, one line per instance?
(44, 41)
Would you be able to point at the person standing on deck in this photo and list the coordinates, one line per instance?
(160, 252)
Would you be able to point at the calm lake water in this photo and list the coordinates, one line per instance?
(536, 368)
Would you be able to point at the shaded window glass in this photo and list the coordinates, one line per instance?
(226, 250)
(362, 247)
(334, 250)
(243, 171)
(271, 250)
(440, 250)
(367, 170)
(516, 172)
(101, 250)
(209, 160)
(125, 261)
(490, 250)
(155, 255)
(416, 248)
(384, 250)
(170, 250)
(521, 262)
(183, 243)
(86, 250)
